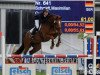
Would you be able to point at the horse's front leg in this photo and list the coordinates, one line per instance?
(52, 42)
(59, 40)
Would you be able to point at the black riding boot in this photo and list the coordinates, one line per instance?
(34, 31)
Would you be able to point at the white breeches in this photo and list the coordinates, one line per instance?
(37, 23)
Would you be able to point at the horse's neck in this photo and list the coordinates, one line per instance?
(48, 25)
(45, 28)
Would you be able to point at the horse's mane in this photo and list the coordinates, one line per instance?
(54, 17)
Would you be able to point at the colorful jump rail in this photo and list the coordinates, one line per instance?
(90, 45)
(50, 56)
(98, 47)
(0, 34)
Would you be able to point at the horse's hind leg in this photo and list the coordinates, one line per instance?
(20, 50)
(36, 48)
(26, 49)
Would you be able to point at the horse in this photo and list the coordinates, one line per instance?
(49, 30)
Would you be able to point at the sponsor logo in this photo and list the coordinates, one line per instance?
(20, 71)
(61, 71)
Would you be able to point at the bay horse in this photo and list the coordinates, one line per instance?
(49, 30)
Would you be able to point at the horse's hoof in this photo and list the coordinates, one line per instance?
(24, 53)
(15, 53)
(8, 60)
(57, 45)
(51, 47)
(30, 52)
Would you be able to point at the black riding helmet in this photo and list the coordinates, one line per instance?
(45, 10)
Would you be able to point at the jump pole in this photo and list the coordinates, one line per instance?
(3, 54)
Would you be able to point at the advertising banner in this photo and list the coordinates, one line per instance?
(61, 69)
(20, 69)
(97, 66)
(90, 66)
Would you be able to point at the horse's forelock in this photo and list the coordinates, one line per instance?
(59, 17)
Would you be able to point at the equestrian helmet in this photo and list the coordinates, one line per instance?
(45, 10)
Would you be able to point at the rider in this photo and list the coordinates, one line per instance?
(42, 17)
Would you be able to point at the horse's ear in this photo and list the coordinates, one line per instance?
(59, 17)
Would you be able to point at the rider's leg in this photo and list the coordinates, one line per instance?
(34, 31)
(37, 24)
(36, 27)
